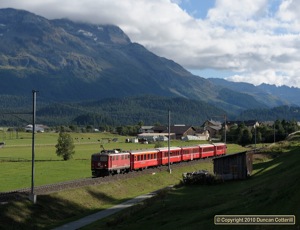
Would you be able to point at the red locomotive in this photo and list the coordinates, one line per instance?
(109, 162)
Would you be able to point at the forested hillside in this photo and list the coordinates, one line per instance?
(122, 111)
(276, 113)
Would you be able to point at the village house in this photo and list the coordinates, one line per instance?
(213, 127)
(38, 128)
(176, 131)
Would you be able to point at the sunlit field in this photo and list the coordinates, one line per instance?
(16, 157)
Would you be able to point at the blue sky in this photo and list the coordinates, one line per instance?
(196, 8)
(255, 41)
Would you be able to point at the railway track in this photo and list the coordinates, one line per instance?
(51, 188)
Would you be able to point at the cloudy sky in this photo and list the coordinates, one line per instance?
(255, 41)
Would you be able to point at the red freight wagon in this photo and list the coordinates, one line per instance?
(175, 155)
(143, 159)
(220, 149)
(190, 153)
(207, 150)
(110, 162)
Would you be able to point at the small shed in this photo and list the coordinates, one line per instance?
(235, 166)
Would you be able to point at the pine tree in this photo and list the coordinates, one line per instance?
(65, 146)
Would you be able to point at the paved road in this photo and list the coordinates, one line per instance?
(102, 214)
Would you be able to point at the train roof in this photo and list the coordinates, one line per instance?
(166, 148)
(190, 146)
(141, 151)
(206, 145)
(218, 144)
(112, 152)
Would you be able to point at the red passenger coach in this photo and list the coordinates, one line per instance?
(175, 155)
(207, 150)
(110, 162)
(190, 153)
(141, 159)
(220, 149)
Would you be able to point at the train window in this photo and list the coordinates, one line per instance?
(139, 157)
(103, 158)
(117, 157)
(134, 158)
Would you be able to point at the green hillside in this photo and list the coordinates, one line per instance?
(273, 189)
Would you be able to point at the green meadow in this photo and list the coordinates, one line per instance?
(16, 155)
(272, 189)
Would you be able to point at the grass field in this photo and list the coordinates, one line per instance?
(56, 208)
(15, 157)
(272, 189)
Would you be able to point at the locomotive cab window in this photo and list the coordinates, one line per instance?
(103, 158)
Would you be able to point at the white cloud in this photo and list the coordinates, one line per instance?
(246, 36)
(236, 11)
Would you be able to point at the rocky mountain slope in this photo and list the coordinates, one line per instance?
(69, 61)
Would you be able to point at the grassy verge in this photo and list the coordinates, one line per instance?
(273, 189)
(57, 208)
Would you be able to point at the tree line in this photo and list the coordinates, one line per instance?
(264, 133)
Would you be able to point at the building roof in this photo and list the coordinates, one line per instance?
(179, 129)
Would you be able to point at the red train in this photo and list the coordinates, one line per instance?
(109, 162)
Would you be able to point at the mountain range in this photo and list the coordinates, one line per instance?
(78, 63)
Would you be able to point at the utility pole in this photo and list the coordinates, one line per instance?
(169, 135)
(274, 133)
(32, 196)
(225, 128)
(255, 137)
